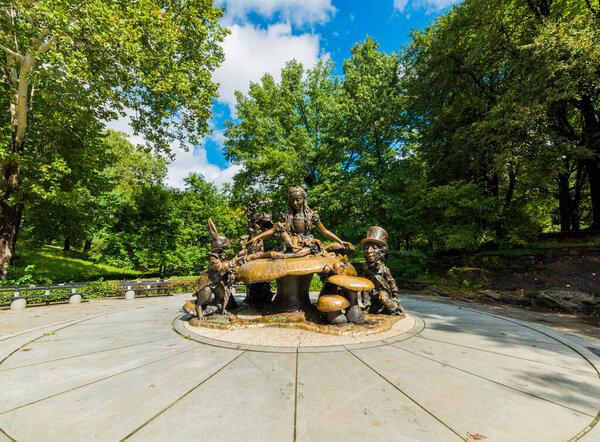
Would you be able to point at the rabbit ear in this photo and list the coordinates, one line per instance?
(212, 230)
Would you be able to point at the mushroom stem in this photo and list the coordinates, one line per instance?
(336, 317)
(354, 313)
(292, 294)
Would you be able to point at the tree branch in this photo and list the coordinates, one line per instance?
(45, 46)
(11, 52)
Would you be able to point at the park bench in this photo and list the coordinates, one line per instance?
(157, 287)
(18, 295)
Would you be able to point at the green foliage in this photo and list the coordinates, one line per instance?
(315, 284)
(409, 266)
(66, 71)
(21, 276)
(166, 229)
(281, 136)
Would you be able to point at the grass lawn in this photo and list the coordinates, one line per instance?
(54, 264)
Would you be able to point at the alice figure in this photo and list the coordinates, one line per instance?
(295, 229)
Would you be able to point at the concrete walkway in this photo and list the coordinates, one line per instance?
(126, 373)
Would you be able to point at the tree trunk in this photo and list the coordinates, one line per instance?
(67, 247)
(576, 200)
(564, 202)
(591, 137)
(10, 215)
(88, 245)
(592, 168)
(11, 221)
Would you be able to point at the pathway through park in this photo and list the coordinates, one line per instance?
(130, 371)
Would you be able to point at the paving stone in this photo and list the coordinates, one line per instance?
(341, 399)
(472, 404)
(466, 371)
(113, 408)
(562, 384)
(25, 384)
(250, 399)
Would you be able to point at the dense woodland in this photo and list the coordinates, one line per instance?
(483, 132)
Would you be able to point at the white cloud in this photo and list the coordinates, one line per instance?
(185, 162)
(195, 160)
(400, 5)
(250, 52)
(430, 6)
(298, 12)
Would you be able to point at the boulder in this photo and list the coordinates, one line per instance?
(439, 291)
(516, 299)
(494, 294)
(568, 300)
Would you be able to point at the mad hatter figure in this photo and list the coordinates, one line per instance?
(384, 297)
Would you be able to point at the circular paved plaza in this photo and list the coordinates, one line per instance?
(132, 371)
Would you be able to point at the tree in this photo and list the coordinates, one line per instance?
(281, 135)
(151, 58)
(505, 95)
(356, 187)
(198, 202)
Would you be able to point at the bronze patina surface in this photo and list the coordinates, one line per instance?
(263, 270)
(350, 282)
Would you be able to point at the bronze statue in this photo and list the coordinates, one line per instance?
(384, 298)
(258, 293)
(295, 229)
(292, 267)
(215, 285)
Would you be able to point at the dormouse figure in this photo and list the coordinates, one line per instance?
(384, 297)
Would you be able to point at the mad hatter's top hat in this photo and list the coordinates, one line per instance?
(376, 235)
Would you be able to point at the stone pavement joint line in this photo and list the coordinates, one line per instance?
(181, 397)
(98, 380)
(296, 397)
(501, 354)
(3, 433)
(78, 355)
(491, 380)
(587, 429)
(407, 396)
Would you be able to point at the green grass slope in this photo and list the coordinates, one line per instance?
(52, 264)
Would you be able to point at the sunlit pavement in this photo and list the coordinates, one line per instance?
(125, 371)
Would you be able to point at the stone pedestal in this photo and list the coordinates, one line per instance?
(129, 294)
(75, 299)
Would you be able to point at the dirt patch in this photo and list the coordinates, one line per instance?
(580, 273)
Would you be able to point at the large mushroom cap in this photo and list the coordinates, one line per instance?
(263, 270)
(354, 283)
(332, 303)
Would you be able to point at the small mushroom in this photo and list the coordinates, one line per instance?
(333, 305)
(352, 285)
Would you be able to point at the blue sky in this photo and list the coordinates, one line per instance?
(265, 34)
